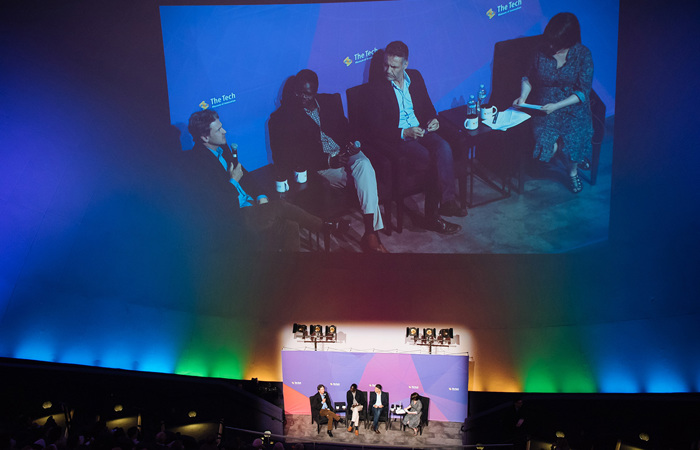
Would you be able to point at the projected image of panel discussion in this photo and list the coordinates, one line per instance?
(406, 126)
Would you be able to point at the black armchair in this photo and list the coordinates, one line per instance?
(425, 401)
(316, 416)
(511, 60)
(362, 396)
(284, 164)
(383, 415)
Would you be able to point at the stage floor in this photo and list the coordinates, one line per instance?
(437, 434)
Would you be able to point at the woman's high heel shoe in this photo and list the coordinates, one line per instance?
(575, 184)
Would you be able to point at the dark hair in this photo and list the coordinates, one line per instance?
(415, 396)
(397, 48)
(378, 386)
(562, 31)
(200, 123)
(353, 386)
(318, 388)
(306, 76)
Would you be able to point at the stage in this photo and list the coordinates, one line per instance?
(299, 428)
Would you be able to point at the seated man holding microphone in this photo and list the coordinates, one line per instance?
(321, 403)
(312, 134)
(218, 178)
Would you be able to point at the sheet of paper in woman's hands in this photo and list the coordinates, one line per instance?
(527, 105)
(507, 119)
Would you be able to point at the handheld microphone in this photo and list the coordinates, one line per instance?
(234, 152)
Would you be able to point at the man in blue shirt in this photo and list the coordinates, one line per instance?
(403, 116)
(220, 178)
(322, 405)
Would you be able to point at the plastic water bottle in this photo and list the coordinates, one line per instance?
(481, 96)
(471, 106)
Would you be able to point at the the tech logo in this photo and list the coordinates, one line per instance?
(362, 56)
(506, 8)
(204, 105)
(223, 100)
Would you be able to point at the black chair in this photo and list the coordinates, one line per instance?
(425, 401)
(407, 178)
(335, 197)
(383, 415)
(364, 414)
(511, 60)
(424, 414)
(316, 417)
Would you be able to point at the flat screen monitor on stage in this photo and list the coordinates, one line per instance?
(235, 59)
(442, 378)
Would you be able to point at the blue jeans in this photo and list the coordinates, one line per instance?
(435, 153)
(377, 412)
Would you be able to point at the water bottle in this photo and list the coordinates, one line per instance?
(471, 106)
(481, 96)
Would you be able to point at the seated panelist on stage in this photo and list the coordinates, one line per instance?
(562, 75)
(321, 403)
(413, 413)
(314, 135)
(403, 116)
(220, 178)
(355, 400)
(378, 401)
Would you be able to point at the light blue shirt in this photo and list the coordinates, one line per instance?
(407, 116)
(243, 198)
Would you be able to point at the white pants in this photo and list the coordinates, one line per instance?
(365, 181)
(356, 415)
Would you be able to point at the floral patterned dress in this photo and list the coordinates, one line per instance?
(413, 420)
(572, 124)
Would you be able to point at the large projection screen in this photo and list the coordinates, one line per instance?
(235, 60)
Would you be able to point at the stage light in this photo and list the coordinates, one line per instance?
(430, 338)
(315, 334)
(299, 328)
(118, 408)
(46, 405)
(446, 333)
(192, 414)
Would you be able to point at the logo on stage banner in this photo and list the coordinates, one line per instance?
(505, 8)
(204, 105)
(360, 57)
(222, 100)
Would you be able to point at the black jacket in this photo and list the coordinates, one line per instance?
(383, 117)
(295, 138)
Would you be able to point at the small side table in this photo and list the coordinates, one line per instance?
(397, 413)
(341, 410)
